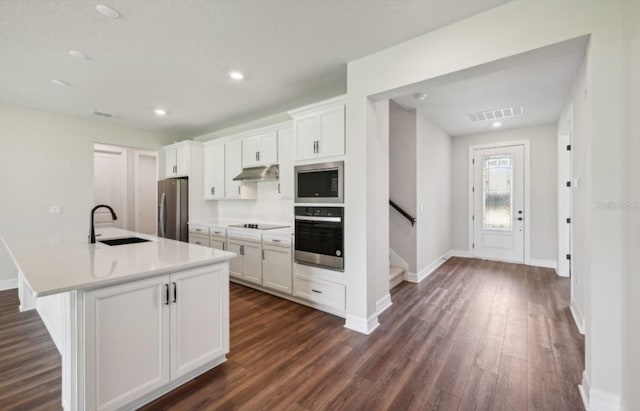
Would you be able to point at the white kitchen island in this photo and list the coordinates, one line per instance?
(131, 322)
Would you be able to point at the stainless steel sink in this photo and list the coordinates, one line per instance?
(123, 241)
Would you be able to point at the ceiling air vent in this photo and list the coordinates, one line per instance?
(497, 114)
(102, 114)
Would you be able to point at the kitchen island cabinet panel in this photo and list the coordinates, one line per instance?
(199, 314)
(127, 334)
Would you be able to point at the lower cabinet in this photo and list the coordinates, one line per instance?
(218, 243)
(247, 264)
(142, 335)
(202, 240)
(276, 268)
(320, 292)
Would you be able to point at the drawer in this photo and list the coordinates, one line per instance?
(199, 239)
(277, 240)
(199, 229)
(321, 292)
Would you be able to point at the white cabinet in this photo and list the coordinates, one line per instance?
(320, 292)
(141, 335)
(261, 149)
(286, 155)
(276, 268)
(199, 313)
(177, 160)
(219, 243)
(214, 172)
(247, 264)
(199, 239)
(218, 238)
(128, 342)
(320, 129)
(233, 167)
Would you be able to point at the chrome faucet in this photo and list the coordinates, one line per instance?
(92, 232)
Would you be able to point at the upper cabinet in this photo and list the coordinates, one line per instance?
(286, 158)
(260, 149)
(214, 171)
(319, 129)
(178, 159)
(236, 190)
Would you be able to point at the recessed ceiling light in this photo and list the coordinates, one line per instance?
(107, 11)
(236, 75)
(61, 83)
(78, 54)
(160, 112)
(420, 96)
(497, 124)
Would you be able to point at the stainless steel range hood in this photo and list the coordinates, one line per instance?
(263, 173)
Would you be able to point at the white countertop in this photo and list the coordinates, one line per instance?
(53, 266)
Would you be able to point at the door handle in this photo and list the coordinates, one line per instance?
(263, 254)
(166, 290)
(175, 292)
(519, 218)
(238, 190)
(213, 191)
(241, 250)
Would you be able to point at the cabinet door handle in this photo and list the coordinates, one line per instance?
(257, 156)
(238, 190)
(224, 246)
(316, 291)
(317, 146)
(175, 292)
(241, 250)
(263, 254)
(278, 188)
(166, 292)
(314, 146)
(213, 191)
(275, 240)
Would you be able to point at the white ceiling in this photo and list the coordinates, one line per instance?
(176, 54)
(540, 80)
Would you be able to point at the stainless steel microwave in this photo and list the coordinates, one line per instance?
(320, 183)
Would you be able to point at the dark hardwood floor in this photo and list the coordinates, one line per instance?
(476, 335)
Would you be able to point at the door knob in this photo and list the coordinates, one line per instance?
(519, 218)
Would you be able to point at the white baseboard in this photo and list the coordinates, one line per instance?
(596, 400)
(9, 284)
(538, 262)
(425, 272)
(383, 303)
(577, 317)
(460, 253)
(395, 259)
(361, 324)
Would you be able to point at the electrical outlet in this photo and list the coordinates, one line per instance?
(55, 209)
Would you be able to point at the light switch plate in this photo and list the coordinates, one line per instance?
(55, 209)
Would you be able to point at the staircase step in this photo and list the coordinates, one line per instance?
(396, 275)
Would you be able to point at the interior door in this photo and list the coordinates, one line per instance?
(110, 184)
(498, 203)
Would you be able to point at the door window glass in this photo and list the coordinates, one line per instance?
(497, 204)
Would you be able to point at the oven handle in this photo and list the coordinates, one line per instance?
(328, 219)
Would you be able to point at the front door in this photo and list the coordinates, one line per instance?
(498, 203)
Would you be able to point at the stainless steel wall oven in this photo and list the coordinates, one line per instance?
(319, 237)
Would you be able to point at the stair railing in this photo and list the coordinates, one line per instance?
(406, 215)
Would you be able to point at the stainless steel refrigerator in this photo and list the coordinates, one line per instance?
(173, 209)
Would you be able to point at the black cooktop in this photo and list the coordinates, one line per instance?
(259, 226)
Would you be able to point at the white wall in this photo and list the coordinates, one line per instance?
(631, 284)
(402, 182)
(47, 159)
(268, 208)
(434, 191)
(576, 107)
(543, 213)
(515, 27)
